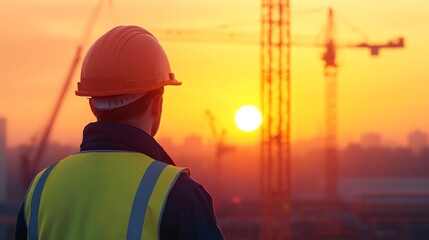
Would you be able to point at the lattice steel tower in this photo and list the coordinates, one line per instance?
(331, 148)
(275, 133)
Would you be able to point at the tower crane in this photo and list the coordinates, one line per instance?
(220, 151)
(330, 72)
(30, 163)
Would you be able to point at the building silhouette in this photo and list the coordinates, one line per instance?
(371, 140)
(417, 142)
(3, 163)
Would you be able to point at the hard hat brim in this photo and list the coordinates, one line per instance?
(82, 93)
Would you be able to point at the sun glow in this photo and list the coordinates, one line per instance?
(248, 118)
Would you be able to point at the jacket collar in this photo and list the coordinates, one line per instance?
(123, 137)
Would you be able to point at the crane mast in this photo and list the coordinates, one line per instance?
(275, 45)
(330, 71)
(220, 151)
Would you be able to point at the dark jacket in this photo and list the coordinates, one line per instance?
(188, 213)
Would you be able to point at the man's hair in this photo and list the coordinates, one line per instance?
(127, 112)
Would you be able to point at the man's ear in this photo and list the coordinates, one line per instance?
(156, 106)
(92, 107)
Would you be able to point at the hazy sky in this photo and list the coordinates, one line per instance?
(386, 94)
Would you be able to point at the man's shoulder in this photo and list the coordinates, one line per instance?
(189, 212)
(182, 189)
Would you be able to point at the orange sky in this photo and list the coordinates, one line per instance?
(387, 94)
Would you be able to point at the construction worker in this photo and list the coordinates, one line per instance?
(122, 184)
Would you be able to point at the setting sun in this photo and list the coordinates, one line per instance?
(248, 118)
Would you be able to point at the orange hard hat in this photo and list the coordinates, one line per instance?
(125, 60)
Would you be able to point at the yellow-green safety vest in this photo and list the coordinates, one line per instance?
(99, 195)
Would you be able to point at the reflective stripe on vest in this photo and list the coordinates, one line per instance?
(143, 202)
(33, 226)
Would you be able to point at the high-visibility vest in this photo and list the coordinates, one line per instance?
(99, 195)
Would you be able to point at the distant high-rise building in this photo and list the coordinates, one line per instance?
(371, 140)
(3, 164)
(417, 141)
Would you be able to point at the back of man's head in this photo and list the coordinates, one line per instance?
(124, 113)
